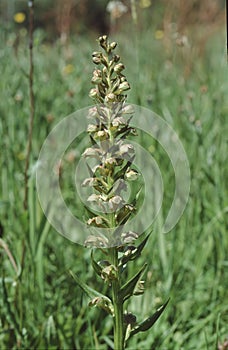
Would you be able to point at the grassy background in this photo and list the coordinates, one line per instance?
(40, 305)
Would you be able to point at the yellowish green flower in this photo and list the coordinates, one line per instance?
(19, 17)
(68, 69)
(144, 3)
(159, 34)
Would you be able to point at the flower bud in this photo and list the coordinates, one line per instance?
(110, 161)
(94, 241)
(96, 80)
(102, 303)
(92, 152)
(129, 237)
(91, 128)
(117, 122)
(109, 273)
(129, 318)
(116, 58)
(126, 149)
(92, 112)
(115, 202)
(127, 109)
(96, 220)
(131, 175)
(90, 181)
(122, 79)
(124, 86)
(97, 73)
(97, 54)
(110, 97)
(103, 41)
(119, 67)
(96, 60)
(113, 45)
(102, 135)
(140, 288)
(93, 93)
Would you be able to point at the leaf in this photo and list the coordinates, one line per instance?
(90, 170)
(97, 268)
(124, 213)
(92, 213)
(149, 322)
(127, 289)
(50, 329)
(92, 140)
(90, 292)
(122, 171)
(136, 252)
(97, 298)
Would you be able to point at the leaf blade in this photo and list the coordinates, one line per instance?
(90, 292)
(150, 321)
(127, 290)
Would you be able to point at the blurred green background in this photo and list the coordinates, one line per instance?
(174, 53)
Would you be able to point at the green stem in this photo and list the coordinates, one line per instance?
(118, 306)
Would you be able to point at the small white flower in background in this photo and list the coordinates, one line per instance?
(182, 40)
(116, 8)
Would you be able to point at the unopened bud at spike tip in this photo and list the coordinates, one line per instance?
(113, 45)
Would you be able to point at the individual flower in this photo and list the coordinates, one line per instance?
(109, 273)
(97, 76)
(19, 17)
(131, 175)
(92, 152)
(91, 128)
(115, 202)
(159, 34)
(90, 181)
(94, 241)
(129, 237)
(96, 221)
(93, 93)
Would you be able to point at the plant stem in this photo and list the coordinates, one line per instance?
(118, 305)
(31, 100)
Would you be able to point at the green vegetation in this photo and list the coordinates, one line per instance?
(41, 306)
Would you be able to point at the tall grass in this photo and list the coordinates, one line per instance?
(41, 307)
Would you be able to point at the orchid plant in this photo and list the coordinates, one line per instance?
(109, 212)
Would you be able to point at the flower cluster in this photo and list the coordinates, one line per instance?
(108, 130)
(109, 161)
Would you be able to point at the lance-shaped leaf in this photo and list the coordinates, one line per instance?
(97, 268)
(121, 172)
(93, 294)
(124, 213)
(127, 289)
(132, 254)
(149, 322)
(90, 170)
(92, 140)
